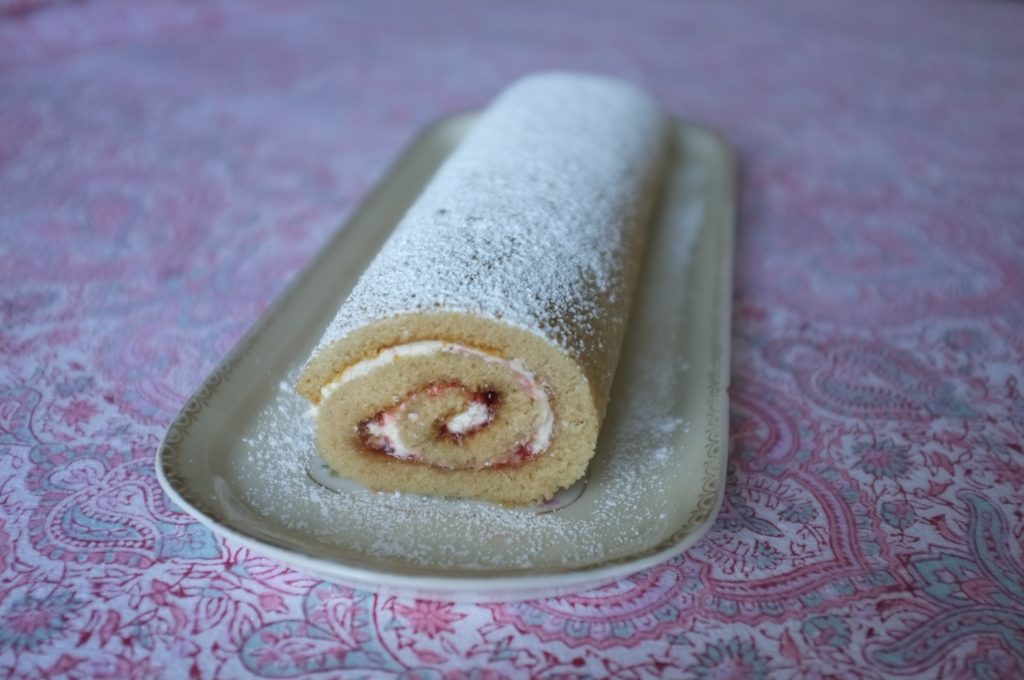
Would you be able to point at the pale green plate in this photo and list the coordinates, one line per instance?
(235, 456)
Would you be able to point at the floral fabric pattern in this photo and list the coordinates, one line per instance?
(166, 167)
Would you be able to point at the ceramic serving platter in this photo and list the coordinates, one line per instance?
(239, 455)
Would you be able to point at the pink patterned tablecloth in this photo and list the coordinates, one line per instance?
(165, 168)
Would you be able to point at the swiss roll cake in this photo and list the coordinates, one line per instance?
(474, 357)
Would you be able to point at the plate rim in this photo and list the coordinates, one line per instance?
(490, 585)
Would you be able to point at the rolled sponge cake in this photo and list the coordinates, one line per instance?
(474, 357)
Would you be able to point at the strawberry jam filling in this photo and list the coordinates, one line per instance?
(380, 432)
(450, 414)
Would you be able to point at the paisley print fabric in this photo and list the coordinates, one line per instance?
(166, 167)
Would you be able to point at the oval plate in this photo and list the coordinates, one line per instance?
(235, 457)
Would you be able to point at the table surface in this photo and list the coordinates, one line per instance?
(166, 167)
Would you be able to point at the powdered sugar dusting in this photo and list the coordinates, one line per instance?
(417, 530)
(532, 220)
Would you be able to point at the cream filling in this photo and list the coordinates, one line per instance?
(389, 430)
(474, 415)
(471, 418)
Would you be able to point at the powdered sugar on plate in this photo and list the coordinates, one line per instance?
(449, 533)
(644, 480)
